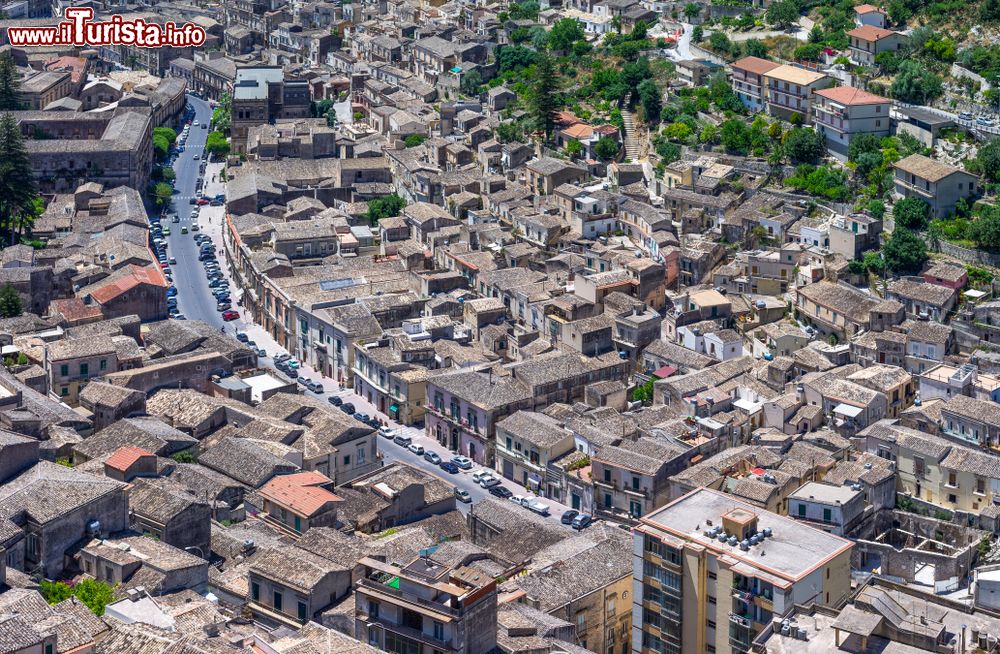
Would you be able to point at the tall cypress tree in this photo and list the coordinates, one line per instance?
(544, 100)
(9, 82)
(18, 188)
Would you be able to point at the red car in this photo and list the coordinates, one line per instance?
(230, 315)
(202, 202)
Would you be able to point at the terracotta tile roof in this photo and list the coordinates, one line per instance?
(867, 9)
(137, 275)
(125, 457)
(850, 96)
(301, 492)
(755, 65)
(870, 33)
(579, 131)
(74, 310)
(794, 75)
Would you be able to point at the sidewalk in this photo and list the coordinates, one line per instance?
(210, 222)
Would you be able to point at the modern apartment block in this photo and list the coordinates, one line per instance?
(790, 91)
(425, 607)
(711, 572)
(843, 112)
(748, 81)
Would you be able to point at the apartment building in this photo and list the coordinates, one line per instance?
(297, 502)
(928, 468)
(748, 81)
(728, 569)
(834, 308)
(867, 41)
(971, 421)
(71, 363)
(526, 443)
(425, 606)
(790, 91)
(836, 509)
(262, 95)
(843, 112)
(936, 183)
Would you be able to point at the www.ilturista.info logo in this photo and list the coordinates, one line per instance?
(79, 29)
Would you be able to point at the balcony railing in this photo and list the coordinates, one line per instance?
(407, 597)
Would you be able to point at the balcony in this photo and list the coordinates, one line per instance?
(833, 121)
(409, 632)
(919, 190)
(634, 492)
(407, 598)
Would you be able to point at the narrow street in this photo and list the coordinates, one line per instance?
(196, 302)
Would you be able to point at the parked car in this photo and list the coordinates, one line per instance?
(537, 506)
(281, 358)
(462, 462)
(347, 408)
(478, 475)
(501, 491)
(582, 521)
(433, 458)
(489, 482)
(449, 467)
(386, 432)
(568, 516)
(416, 449)
(316, 387)
(361, 417)
(335, 400)
(965, 115)
(223, 306)
(517, 499)
(402, 439)
(230, 315)
(375, 423)
(462, 495)
(305, 381)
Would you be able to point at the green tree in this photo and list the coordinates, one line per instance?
(543, 100)
(691, 11)
(509, 131)
(413, 140)
(808, 52)
(911, 213)
(160, 146)
(55, 591)
(574, 148)
(564, 33)
(650, 97)
(162, 194)
(167, 133)
(9, 84)
(471, 82)
(217, 145)
(915, 84)
(735, 136)
(905, 252)
(985, 230)
(10, 302)
(988, 160)
(862, 143)
(18, 188)
(678, 131)
(783, 13)
(223, 115)
(755, 48)
(606, 148)
(385, 207)
(804, 145)
(720, 42)
(95, 595)
(876, 209)
(698, 34)
(643, 393)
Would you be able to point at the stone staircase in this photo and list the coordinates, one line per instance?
(631, 142)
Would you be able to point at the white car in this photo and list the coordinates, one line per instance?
(417, 449)
(518, 499)
(463, 462)
(387, 432)
(489, 481)
(478, 475)
(538, 507)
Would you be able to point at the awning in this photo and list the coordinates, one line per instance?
(847, 410)
(664, 372)
(393, 408)
(535, 479)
